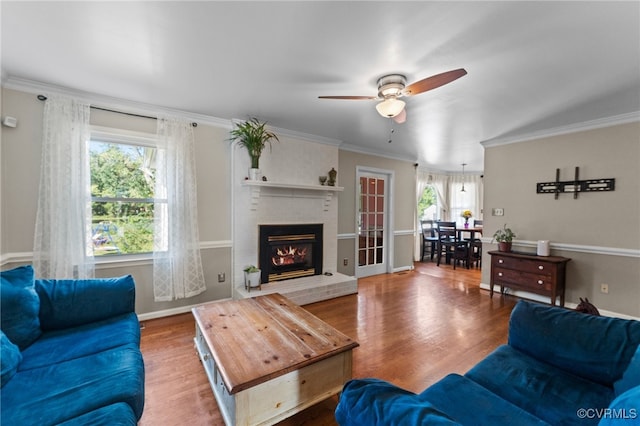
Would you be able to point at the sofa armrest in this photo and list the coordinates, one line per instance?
(67, 303)
(376, 402)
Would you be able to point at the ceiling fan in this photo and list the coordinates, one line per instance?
(394, 86)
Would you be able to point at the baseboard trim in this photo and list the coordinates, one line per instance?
(539, 298)
(173, 311)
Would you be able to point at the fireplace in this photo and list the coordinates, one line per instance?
(290, 251)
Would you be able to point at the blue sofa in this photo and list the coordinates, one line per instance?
(560, 367)
(70, 351)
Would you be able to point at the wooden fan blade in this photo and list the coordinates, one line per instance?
(433, 82)
(355, 98)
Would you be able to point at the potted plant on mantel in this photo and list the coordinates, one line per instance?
(504, 237)
(253, 135)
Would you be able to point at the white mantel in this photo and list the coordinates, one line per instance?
(292, 194)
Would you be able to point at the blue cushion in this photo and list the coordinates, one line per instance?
(541, 389)
(623, 411)
(10, 358)
(376, 402)
(19, 306)
(631, 376)
(73, 388)
(596, 348)
(68, 303)
(64, 345)
(470, 404)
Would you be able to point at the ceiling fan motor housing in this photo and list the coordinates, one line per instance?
(391, 86)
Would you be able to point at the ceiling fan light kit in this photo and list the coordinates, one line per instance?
(390, 107)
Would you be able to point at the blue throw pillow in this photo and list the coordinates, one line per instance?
(10, 358)
(19, 306)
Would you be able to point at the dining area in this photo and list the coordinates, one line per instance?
(449, 243)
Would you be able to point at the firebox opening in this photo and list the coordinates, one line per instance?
(290, 251)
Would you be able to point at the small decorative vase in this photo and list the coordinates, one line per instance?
(254, 174)
(332, 177)
(466, 222)
(322, 179)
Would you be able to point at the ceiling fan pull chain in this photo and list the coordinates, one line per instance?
(391, 130)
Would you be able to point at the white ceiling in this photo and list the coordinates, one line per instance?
(532, 66)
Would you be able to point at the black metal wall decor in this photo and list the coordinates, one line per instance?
(576, 185)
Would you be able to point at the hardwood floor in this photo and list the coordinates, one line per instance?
(413, 328)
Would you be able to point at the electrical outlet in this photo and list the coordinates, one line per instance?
(221, 277)
(497, 212)
(345, 261)
(604, 288)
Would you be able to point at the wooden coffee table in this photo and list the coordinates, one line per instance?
(267, 358)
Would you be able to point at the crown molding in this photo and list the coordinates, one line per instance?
(102, 101)
(563, 130)
(376, 153)
(304, 137)
(38, 88)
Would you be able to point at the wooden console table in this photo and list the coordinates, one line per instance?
(267, 358)
(543, 275)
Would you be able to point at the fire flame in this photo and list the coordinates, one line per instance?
(289, 256)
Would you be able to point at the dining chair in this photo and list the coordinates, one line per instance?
(429, 239)
(475, 247)
(450, 245)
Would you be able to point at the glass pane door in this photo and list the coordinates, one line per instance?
(372, 218)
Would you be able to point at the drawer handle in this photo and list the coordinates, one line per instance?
(499, 274)
(540, 282)
(500, 261)
(541, 267)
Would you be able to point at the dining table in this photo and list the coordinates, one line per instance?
(471, 230)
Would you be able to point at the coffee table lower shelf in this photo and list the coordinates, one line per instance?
(274, 400)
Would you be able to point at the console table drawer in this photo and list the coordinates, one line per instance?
(532, 266)
(524, 280)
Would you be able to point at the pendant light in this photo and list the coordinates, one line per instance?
(463, 190)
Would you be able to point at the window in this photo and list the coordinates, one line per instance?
(122, 195)
(428, 204)
(461, 201)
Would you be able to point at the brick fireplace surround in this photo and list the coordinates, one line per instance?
(291, 195)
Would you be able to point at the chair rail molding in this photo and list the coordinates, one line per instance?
(116, 261)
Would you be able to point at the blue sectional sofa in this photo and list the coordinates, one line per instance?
(560, 367)
(70, 351)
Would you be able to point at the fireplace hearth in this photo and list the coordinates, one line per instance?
(290, 251)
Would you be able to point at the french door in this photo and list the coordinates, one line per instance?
(372, 223)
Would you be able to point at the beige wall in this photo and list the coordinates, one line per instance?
(403, 207)
(600, 232)
(20, 159)
(21, 150)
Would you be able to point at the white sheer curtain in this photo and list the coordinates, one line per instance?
(177, 266)
(441, 184)
(471, 199)
(62, 243)
(422, 180)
